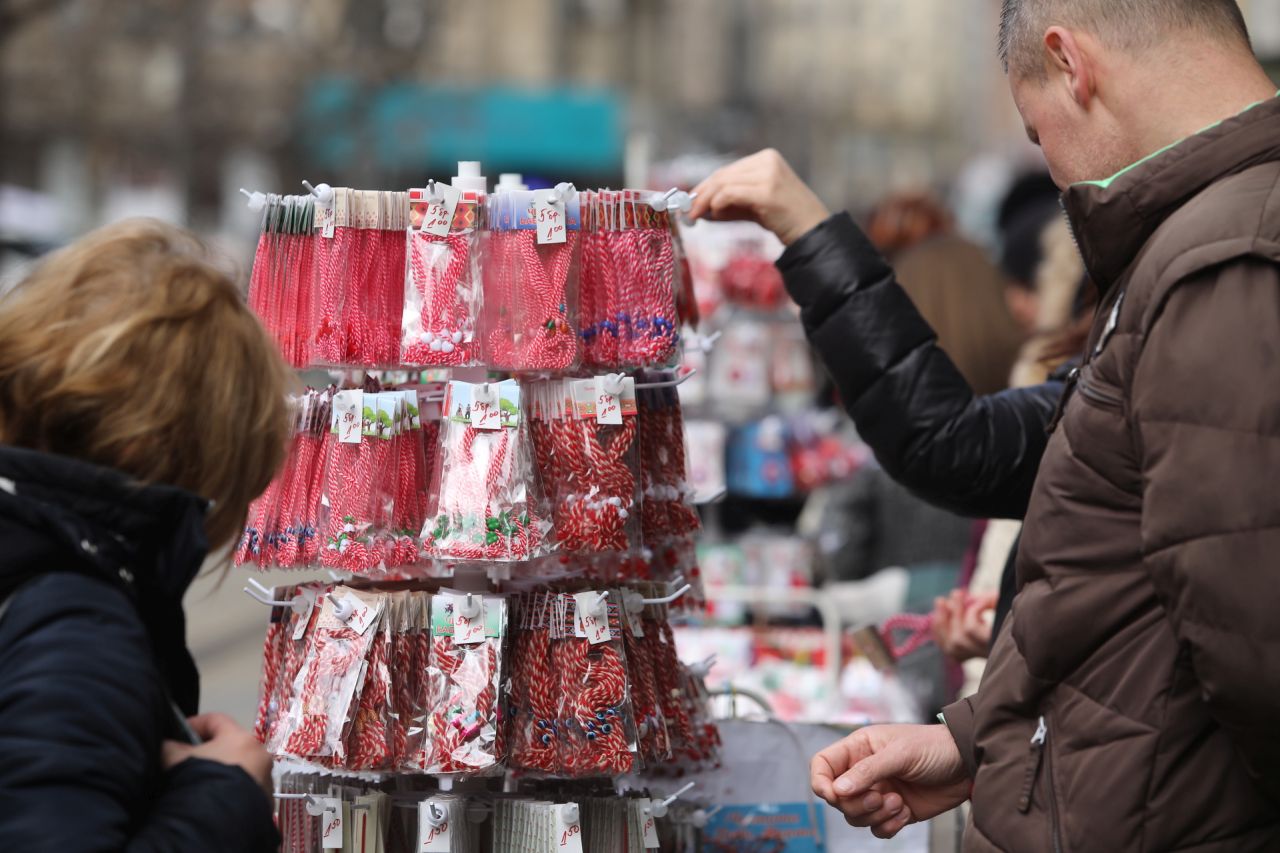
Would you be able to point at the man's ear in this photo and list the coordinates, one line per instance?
(1068, 62)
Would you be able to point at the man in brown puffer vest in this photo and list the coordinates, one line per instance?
(1132, 700)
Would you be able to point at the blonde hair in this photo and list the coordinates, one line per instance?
(131, 349)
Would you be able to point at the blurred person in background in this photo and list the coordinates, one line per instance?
(1029, 205)
(142, 408)
(963, 630)
(871, 523)
(1128, 703)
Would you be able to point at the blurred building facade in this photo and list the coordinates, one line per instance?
(168, 106)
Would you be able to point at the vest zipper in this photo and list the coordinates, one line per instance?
(1034, 763)
(1053, 794)
(1039, 758)
(1073, 378)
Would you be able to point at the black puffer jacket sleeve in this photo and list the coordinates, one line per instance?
(976, 456)
(81, 708)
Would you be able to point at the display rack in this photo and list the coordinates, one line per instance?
(489, 663)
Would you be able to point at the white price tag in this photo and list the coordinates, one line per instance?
(325, 218)
(434, 833)
(590, 624)
(649, 824)
(363, 615)
(486, 413)
(608, 404)
(467, 630)
(348, 416)
(304, 619)
(568, 836)
(552, 219)
(635, 621)
(437, 219)
(331, 824)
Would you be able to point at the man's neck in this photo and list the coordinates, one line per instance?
(1192, 94)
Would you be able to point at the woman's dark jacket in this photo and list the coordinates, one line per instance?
(93, 661)
(976, 456)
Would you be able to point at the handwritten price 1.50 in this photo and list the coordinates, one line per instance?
(569, 833)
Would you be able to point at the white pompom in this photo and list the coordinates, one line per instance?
(436, 346)
(457, 337)
(447, 347)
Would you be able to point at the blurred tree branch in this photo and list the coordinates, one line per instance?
(15, 14)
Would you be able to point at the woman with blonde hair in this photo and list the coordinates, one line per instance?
(142, 408)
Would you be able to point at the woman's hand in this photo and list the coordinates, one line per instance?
(225, 742)
(885, 777)
(962, 625)
(761, 188)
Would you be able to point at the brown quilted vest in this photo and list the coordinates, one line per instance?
(1130, 703)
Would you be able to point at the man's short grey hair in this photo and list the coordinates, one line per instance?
(1128, 24)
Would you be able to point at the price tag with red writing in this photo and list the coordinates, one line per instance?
(304, 619)
(551, 218)
(608, 401)
(348, 417)
(592, 619)
(331, 824)
(468, 629)
(568, 835)
(434, 833)
(361, 614)
(648, 823)
(486, 411)
(437, 217)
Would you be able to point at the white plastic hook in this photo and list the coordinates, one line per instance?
(667, 599)
(705, 343)
(468, 606)
(702, 668)
(563, 192)
(433, 192)
(436, 816)
(614, 384)
(257, 200)
(661, 201)
(599, 606)
(681, 201)
(701, 817)
(297, 604)
(322, 192)
(659, 808)
(343, 608)
(684, 377)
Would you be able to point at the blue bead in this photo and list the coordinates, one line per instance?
(607, 729)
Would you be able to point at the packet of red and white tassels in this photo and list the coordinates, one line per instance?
(359, 278)
(442, 292)
(640, 636)
(585, 443)
(534, 698)
(325, 687)
(281, 527)
(630, 282)
(486, 503)
(360, 482)
(283, 653)
(282, 280)
(465, 729)
(668, 512)
(596, 720)
(530, 274)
